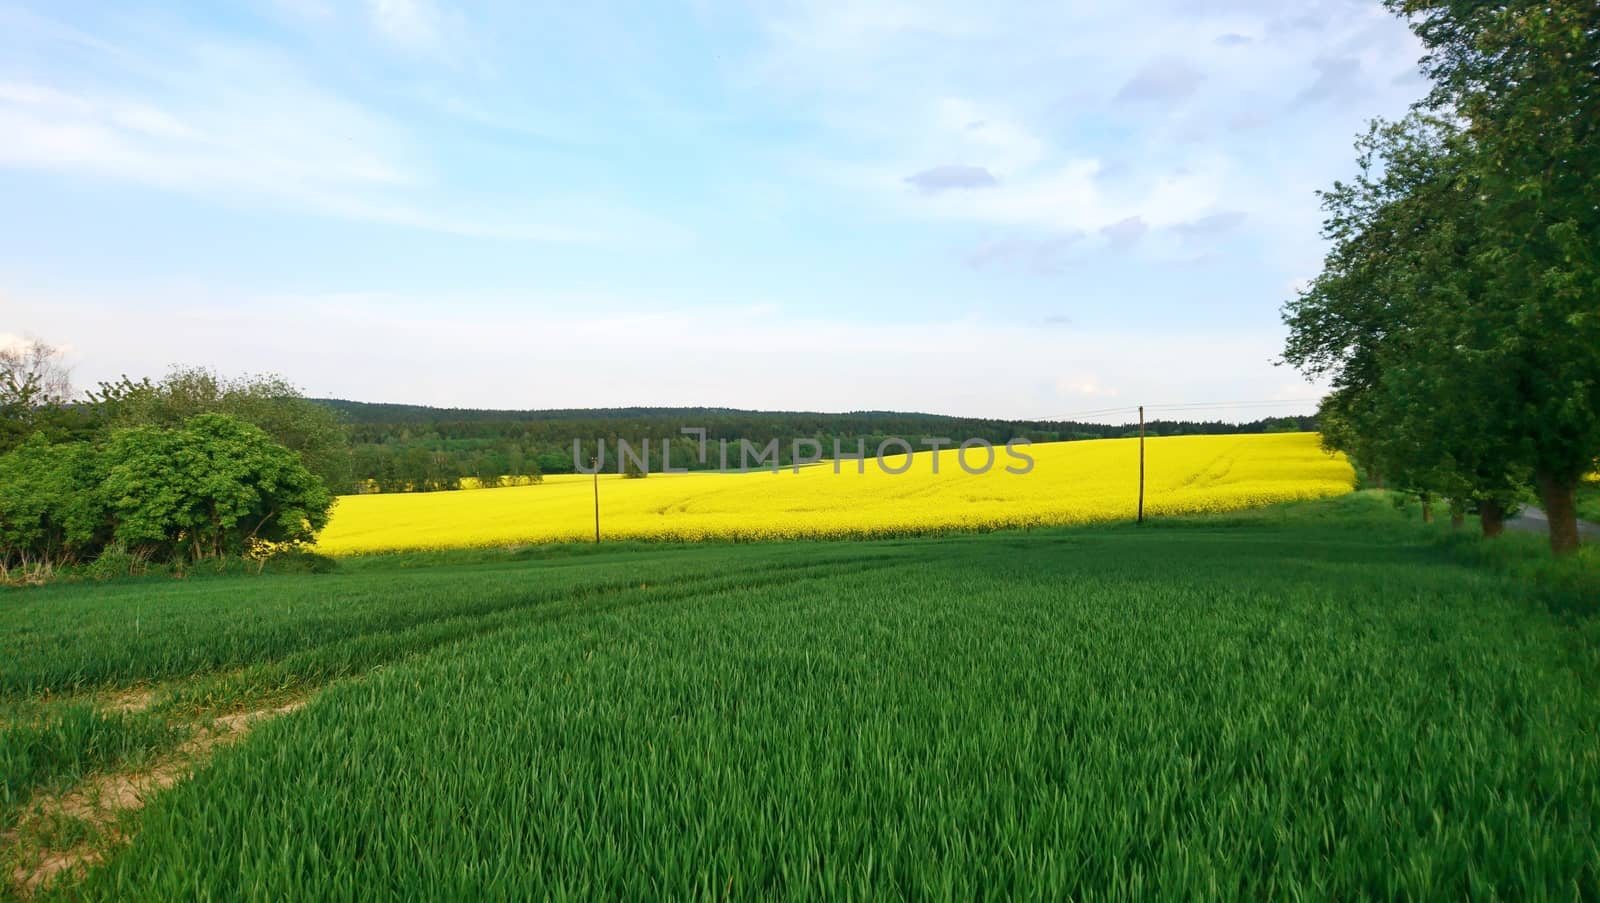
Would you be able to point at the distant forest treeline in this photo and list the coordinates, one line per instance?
(397, 447)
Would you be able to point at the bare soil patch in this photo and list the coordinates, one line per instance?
(99, 802)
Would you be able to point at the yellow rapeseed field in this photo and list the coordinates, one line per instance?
(1071, 482)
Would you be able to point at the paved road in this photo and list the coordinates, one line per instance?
(1532, 520)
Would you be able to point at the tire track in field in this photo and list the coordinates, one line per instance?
(1201, 478)
(18, 682)
(99, 802)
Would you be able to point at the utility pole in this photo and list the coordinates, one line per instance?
(594, 465)
(1141, 464)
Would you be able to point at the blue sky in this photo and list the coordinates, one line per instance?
(984, 209)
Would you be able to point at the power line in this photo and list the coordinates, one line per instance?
(1207, 407)
(1233, 404)
(1101, 411)
(1194, 406)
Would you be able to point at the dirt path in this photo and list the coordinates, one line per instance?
(99, 801)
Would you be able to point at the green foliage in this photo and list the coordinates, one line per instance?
(312, 431)
(1189, 711)
(22, 410)
(1456, 313)
(215, 487)
(50, 506)
(1390, 321)
(115, 561)
(298, 561)
(1589, 500)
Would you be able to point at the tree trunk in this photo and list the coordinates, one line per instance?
(1560, 506)
(1493, 517)
(1377, 477)
(1457, 518)
(1427, 511)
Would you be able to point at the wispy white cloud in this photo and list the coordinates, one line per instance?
(1162, 81)
(1070, 197)
(810, 27)
(236, 123)
(304, 10)
(951, 176)
(1124, 233)
(1041, 256)
(1201, 108)
(411, 23)
(420, 26)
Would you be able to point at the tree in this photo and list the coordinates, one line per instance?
(1345, 425)
(1457, 311)
(515, 463)
(36, 395)
(38, 367)
(1391, 321)
(50, 512)
(310, 430)
(1524, 76)
(217, 486)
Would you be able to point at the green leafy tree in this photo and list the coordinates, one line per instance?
(1390, 322)
(1345, 422)
(20, 402)
(1524, 78)
(215, 487)
(49, 510)
(312, 431)
(1451, 376)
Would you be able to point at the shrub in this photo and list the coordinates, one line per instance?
(49, 510)
(215, 487)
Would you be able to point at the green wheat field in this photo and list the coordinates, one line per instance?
(1317, 700)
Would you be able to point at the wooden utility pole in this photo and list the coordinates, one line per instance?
(1141, 464)
(594, 464)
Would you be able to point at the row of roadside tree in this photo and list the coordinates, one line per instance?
(1457, 315)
